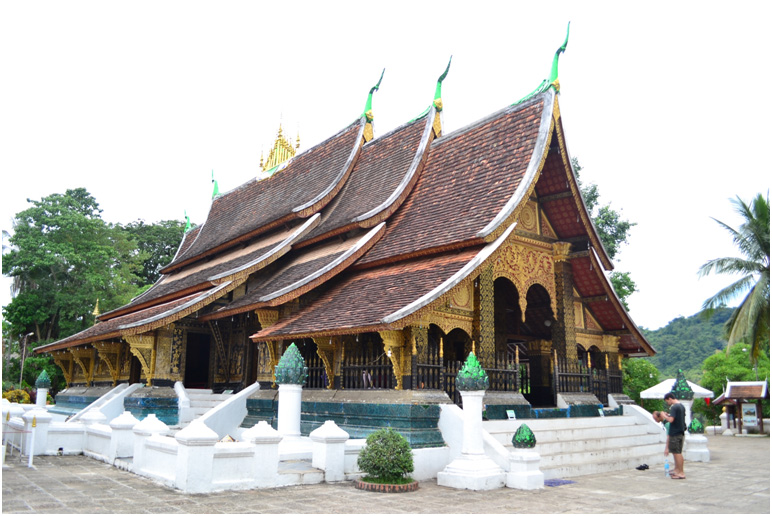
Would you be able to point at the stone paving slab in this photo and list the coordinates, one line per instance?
(735, 481)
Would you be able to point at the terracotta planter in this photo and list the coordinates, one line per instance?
(386, 488)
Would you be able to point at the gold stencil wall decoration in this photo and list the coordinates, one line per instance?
(526, 266)
(528, 218)
(175, 364)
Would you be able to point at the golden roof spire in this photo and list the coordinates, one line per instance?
(281, 151)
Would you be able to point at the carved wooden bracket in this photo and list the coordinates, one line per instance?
(393, 345)
(326, 348)
(267, 317)
(110, 354)
(64, 360)
(84, 357)
(143, 347)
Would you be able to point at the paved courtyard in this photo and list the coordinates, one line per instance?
(735, 481)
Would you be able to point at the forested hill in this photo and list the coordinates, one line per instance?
(686, 342)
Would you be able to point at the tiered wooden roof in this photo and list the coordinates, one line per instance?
(379, 229)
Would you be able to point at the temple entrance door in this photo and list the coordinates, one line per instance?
(135, 370)
(197, 361)
(529, 331)
(456, 348)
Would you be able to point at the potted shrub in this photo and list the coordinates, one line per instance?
(386, 459)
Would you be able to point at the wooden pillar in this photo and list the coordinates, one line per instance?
(564, 331)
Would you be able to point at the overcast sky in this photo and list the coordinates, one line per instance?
(665, 104)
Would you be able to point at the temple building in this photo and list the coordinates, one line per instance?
(386, 260)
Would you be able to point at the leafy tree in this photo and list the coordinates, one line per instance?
(156, 245)
(750, 320)
(734, 365)
(612, 231)
(638, 374)
(63, 258)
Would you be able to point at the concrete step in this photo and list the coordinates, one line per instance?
(546, 449)
(297, 472)
(601, 465)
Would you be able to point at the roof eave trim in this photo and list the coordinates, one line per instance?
(201, 297)
(329, 267)
(532, 170)
(451, 282)
(406, 179)
(275, 252)
(335, 183)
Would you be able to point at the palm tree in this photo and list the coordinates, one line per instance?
(749, 322)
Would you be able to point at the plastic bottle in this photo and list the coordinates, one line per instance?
(667, 469)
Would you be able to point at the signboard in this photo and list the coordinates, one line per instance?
(749, 414)
(510, 414)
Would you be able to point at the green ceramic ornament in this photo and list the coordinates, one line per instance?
(524, 437)
(681, 388)
(43, 381)
(695, 427)
(292, 367)
(472, 376)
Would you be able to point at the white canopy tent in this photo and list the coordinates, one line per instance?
(658, 391)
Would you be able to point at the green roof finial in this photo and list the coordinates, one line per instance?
(472, 377)
(554, 70)
(369, 104)
(681, 388)
(216, 190)
(524, 437)
(187, 222)
(552, 81)
(438, 90)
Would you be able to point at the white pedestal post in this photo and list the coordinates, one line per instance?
(288, 412)
(142, 430)
(195, 457)
(696, 448)
(41, 397)
(266, 462)
(329, 451)
(472, 469)
(524, 470)
(122, 436)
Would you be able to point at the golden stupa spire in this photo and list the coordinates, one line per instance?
(281, 151)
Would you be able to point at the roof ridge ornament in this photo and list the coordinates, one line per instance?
(368, 112)
(437, 102)
(552, 81)
(216, 189)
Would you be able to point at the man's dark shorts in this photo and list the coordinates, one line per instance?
(676, 444)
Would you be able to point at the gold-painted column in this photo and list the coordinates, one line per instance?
(268, 317)
(564, 330)
(486, 339)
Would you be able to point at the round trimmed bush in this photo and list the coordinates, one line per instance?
(386, 458)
